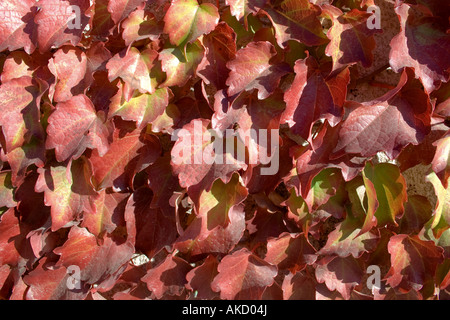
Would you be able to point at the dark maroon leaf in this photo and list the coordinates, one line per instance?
(154, 230)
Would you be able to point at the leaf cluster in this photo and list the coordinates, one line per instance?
(87, 177)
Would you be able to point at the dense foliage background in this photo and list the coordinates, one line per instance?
(89, 104)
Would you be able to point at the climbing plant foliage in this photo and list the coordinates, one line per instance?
(101, 199)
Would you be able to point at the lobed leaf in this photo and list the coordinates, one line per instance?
(413, 261)
(422, 44)
(67, 191)
(390, 191)
(339, 274)
(134, 68)
(140, 25)
(290, 252)
(199, 278)
(120, 9)
(16, 31)
(62, 66)
(186, 20)
(220, 47)
(387, 124)
(141, 108)
(168, 278)
(198, 239)
(127, 155)
(19, 119)
(75, 126)
(296, 20)
(243, 274)
(351, 38)
(314, 96)
(53, 22)
(251, 69)
(242, 8)
(81, 249)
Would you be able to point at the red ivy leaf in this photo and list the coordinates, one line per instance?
(194, 144)
(154, 230)
(19, 119)
(340, 274)
(31, 205)
(120, 9)
(220, 45)
(424, 152)
(351, 40)
(53, 23)
(251, 115)
(19, 64)
(265, 225)
(413, 262)
(242, 8)
(186, 20)
(312, 159)
(215, 204)
(298, 287)
(98, 55)
(142, 108)
(102, 23)
(67, 191)
(96, 262)
(69, 66)
(17, 25)
(163, 183)
(101, 92)
(168, 278)
(242, 275)
(345, 241)
(388, 124)
(4, 273)
(134, 68)
(417, 212)
(251, 69)
(79, 249)
(197, 239)
(290, 252)
(75, 126)
(51, 284)
(296, 20)
(107, 207)
(11, 239)
(140, 25)
(180, 68)
(313, 96)
(127, 155)
(199, 279)
(422, 44)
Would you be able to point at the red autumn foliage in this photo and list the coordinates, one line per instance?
(92, 94)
